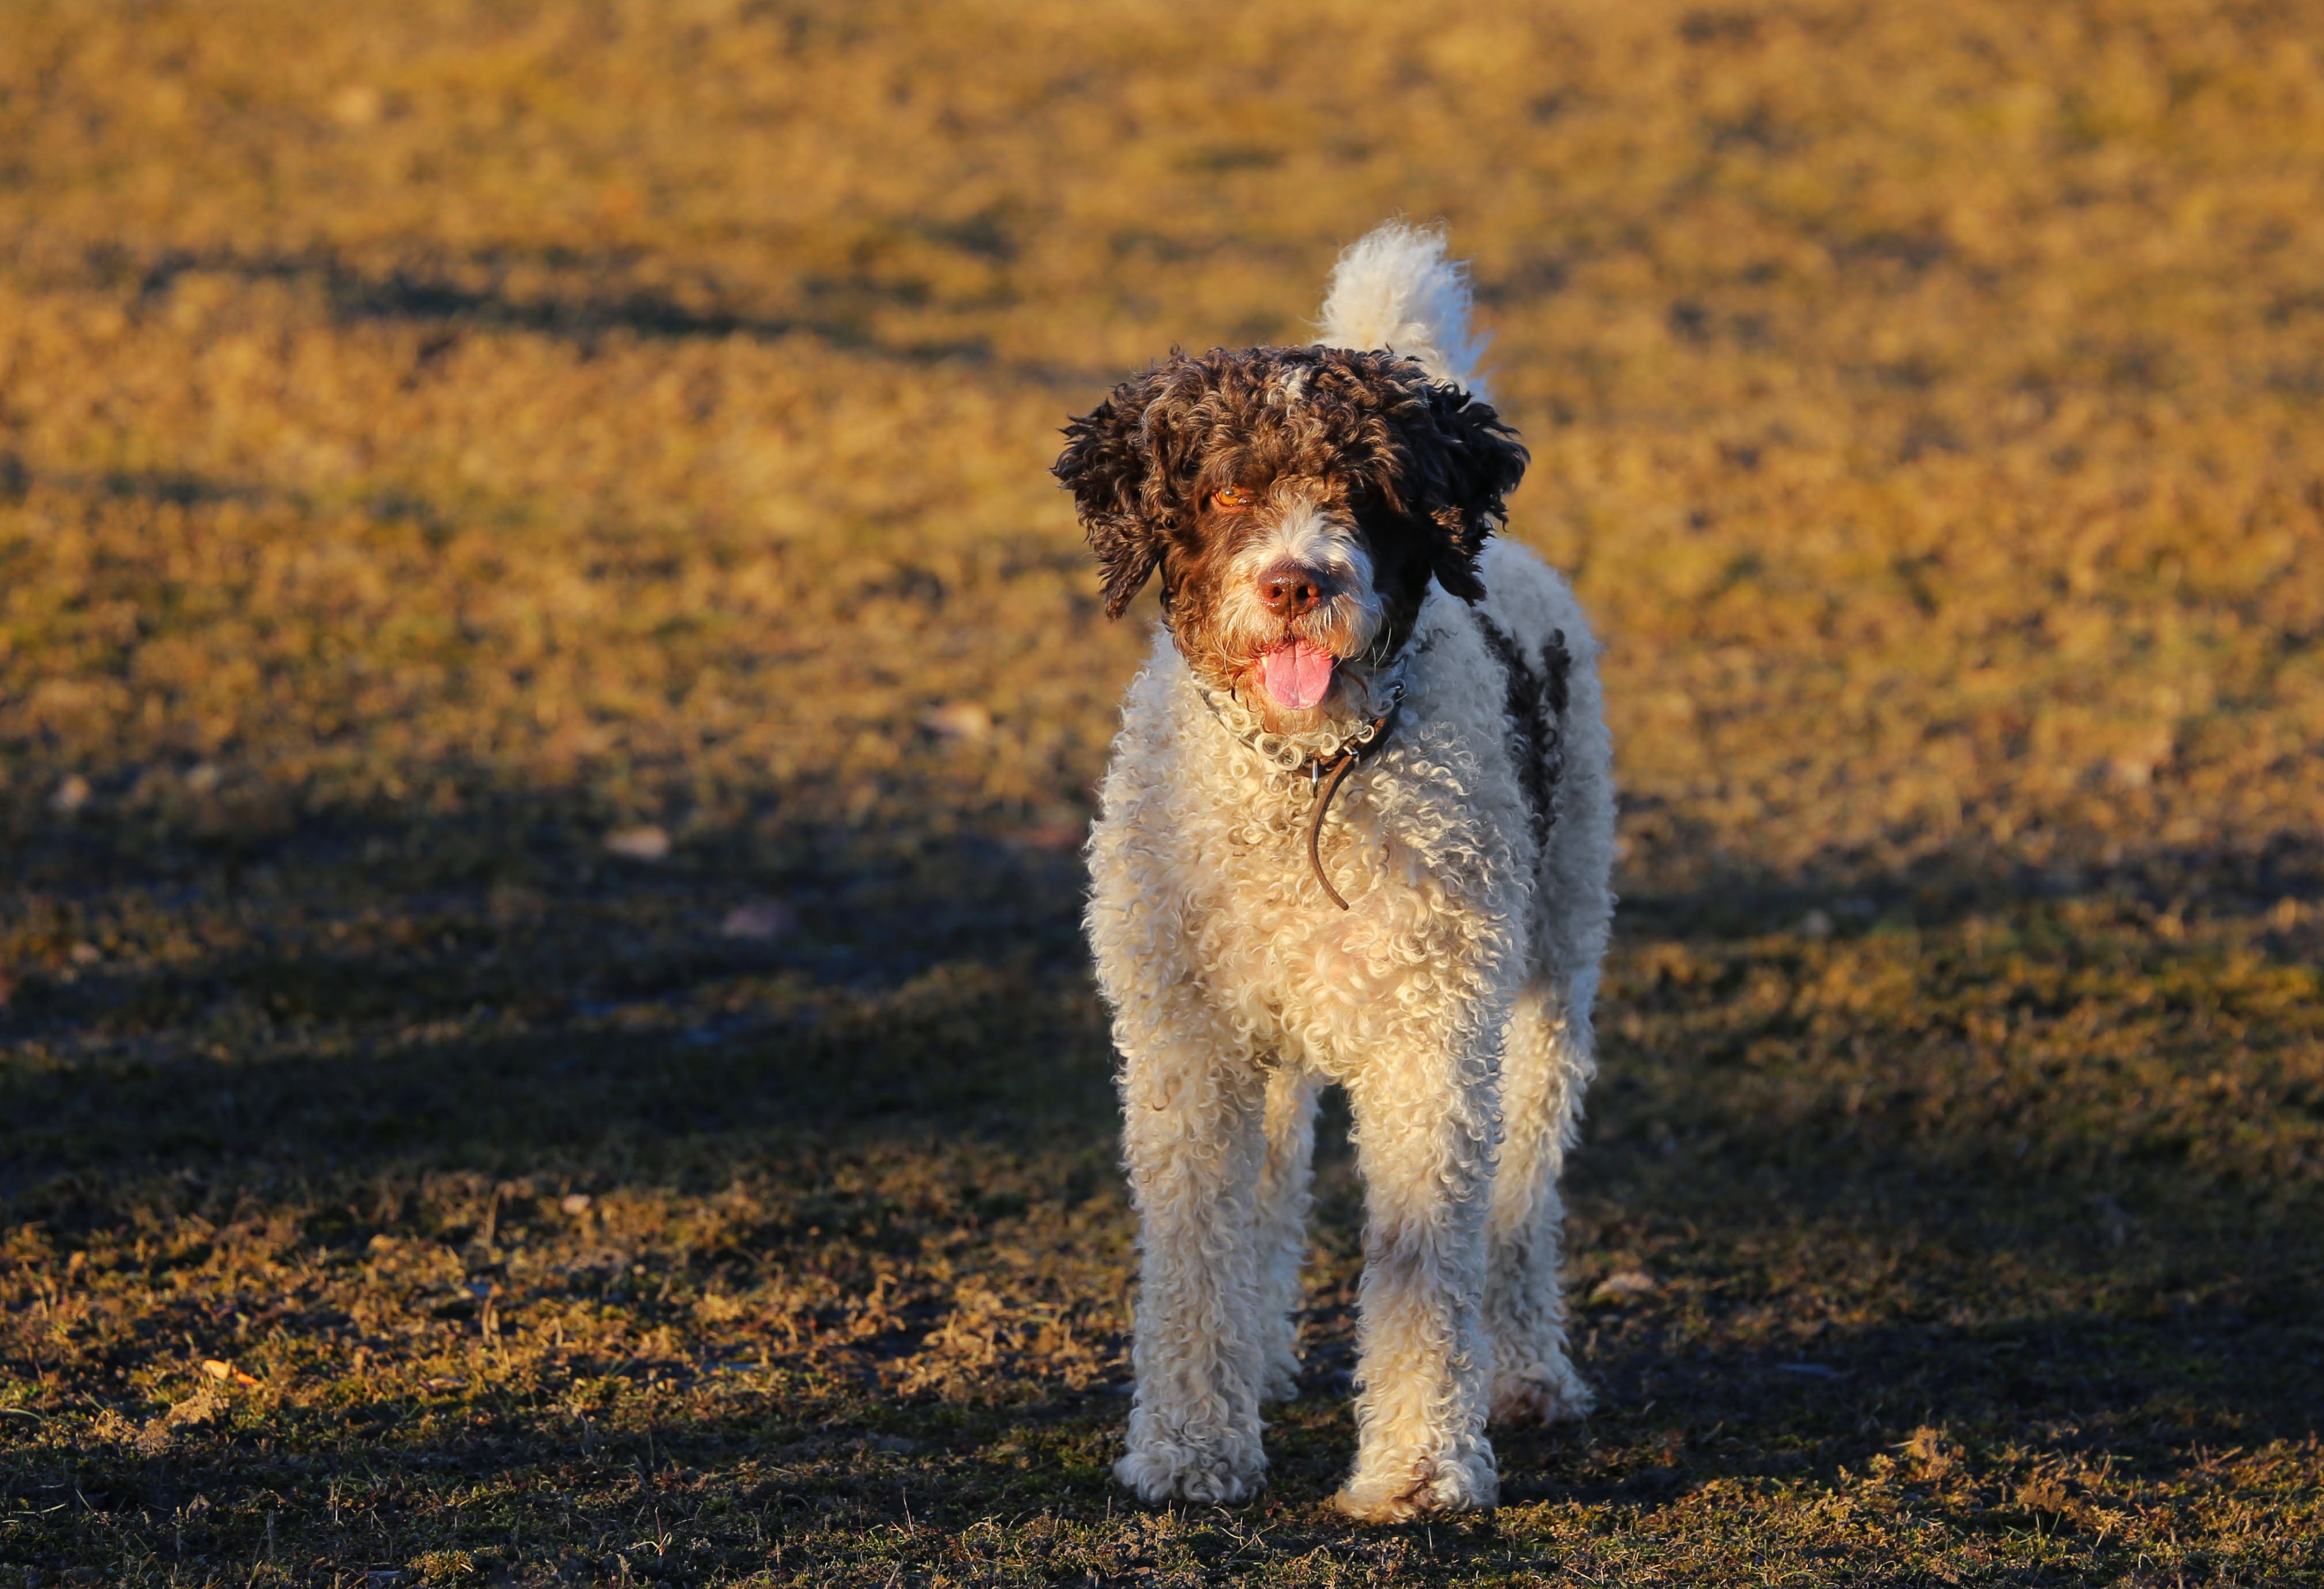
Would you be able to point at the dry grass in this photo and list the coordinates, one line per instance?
(436, 438)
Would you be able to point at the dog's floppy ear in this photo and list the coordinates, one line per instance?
(1462, 460)
(1108, 464)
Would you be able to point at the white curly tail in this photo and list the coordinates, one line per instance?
(1393, 288)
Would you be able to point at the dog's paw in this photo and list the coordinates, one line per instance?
(1542, 1396)
(1160, 1473)
(1399, 1493)
(1282, 1380)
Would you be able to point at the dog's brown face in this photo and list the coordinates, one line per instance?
(1297, 500)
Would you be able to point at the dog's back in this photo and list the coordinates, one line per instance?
(1398, 289)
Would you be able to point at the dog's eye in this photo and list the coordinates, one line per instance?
(1231, 499)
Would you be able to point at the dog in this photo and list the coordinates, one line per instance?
(1358, 828)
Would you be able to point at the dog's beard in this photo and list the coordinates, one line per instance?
(1292, 672)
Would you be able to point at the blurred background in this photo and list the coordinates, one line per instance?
(548, 704)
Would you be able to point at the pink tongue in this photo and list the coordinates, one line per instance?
(1295, 674)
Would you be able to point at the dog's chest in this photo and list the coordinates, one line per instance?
(1401, 842)
(1245, 831)
(1271, 942)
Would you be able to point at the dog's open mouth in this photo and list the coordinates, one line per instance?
(1297, 674)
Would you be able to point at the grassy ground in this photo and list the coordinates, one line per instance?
(547, 704)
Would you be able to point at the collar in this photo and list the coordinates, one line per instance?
(1326, 767)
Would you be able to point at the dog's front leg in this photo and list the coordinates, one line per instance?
(1193, 1135)
(1425, 1142)
(1284, 1202)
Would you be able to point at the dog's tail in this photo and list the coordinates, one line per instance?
(1393, 288)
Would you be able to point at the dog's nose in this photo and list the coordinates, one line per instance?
(1289, 590)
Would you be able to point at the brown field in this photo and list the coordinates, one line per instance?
(438, 439)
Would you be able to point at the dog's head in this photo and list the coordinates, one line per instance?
(1297, 500)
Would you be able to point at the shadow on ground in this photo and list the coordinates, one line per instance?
(358, 1220)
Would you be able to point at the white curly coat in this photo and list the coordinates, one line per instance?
(1451, 1000)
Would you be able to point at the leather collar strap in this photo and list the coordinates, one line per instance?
(1330, 778)
(1325, 771)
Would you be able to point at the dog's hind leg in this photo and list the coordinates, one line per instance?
(1547, 1063)
(1194, 1136)
(1284, 1201)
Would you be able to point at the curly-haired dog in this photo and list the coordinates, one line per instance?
(1358, 828)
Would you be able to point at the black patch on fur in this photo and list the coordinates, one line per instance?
(1535, 704)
